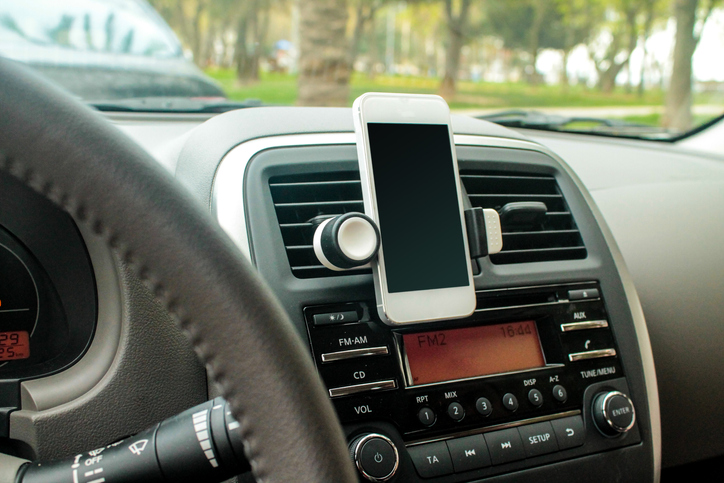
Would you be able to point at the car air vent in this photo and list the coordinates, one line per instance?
(553, 236)
(300, 198)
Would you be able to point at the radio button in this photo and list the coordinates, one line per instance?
(505, 446)
(426, 416)
(456, 411)
(569, 432)
(538, 439)
(535, 397)
(559, 393)
(510, 402)
(483, 406)
(360, 335)
(469, 453)
(431, 459)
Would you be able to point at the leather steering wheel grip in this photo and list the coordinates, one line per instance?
(80, 161)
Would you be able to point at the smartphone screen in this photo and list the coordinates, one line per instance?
(418, 206)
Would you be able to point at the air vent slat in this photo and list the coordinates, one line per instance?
(554, 237)
(302, 197)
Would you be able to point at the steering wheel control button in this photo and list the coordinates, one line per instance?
(456, 411)
(431, 459)
(569, 432)
(588, 355)
(336, 318)
(510, 402)
(469, 453)
(346, 241)
(559, 393)
(538, 439)
(583, 294)
(370, 386)
(535, 397)
(483, 406)
(354, 353)
(613, 413)
(505, 446)
(426, 416)
(375, 456)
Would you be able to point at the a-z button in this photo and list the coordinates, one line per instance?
(569, 432)
(431, 460)
(505, 446)
(538, 439)
(469, 453)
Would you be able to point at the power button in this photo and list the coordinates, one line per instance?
(375, 456)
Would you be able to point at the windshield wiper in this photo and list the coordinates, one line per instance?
(577, 124)
(174, 105)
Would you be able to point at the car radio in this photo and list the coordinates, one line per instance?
(532, 374)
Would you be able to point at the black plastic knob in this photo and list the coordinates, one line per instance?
(346, 241)
(375, 456)
(613, 413)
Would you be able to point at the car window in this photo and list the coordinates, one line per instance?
(633, 68)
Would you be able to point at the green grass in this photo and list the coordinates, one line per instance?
(281, 89)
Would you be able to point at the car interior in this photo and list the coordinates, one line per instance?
(169, 319)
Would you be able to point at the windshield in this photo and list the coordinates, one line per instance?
(639, 68)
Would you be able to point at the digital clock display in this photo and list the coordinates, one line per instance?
(449, 355)
(14, 345)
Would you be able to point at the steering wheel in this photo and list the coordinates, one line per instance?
(77, 159)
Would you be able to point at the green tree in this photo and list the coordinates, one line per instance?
(691, 17)
(578, 20)
(529, 26)
(458, 23)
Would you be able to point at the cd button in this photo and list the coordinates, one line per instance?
(357, 372)
(469, 453)
(510, 402)
(538, 439)
(505, 446)
(426, 416)
(431, 459)
(456, 411)
(569, 432)
(483, 406)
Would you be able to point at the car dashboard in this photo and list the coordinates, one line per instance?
(559, 292)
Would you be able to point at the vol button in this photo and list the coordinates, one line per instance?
(375, 456)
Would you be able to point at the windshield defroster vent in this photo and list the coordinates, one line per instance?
(550, 237)
(298, 199)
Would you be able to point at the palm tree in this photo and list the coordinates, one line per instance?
(324, 69)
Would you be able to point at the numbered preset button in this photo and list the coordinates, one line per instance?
(535, 397)
(483, 406)
(559, 393)
(426, 416)
(510, 402)
(455, 411)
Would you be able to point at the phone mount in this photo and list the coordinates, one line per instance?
(352, 240)
(346, 241)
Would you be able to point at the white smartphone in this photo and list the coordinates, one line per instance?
(411, 189)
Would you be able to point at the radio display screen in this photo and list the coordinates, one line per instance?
(448, 355)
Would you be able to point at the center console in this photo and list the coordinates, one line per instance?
(516, 385)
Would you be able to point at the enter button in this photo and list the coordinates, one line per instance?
(538, 439)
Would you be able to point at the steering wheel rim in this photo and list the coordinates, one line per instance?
(73, 156)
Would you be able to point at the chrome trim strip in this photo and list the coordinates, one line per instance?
(227, 205)
(497, 427)
(353, 353)
(584, 356)
(590, 324)
(369, 386)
